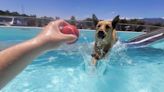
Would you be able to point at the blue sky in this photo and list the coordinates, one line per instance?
(104, 9)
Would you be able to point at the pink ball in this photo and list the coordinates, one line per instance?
(70, 29)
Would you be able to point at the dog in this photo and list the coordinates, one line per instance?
(105, 38)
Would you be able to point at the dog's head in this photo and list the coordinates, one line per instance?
(104, 29)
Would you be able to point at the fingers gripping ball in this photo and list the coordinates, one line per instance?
(70, 29)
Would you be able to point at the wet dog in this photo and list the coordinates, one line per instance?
(105, 38)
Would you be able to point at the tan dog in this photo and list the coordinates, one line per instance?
(105, 39)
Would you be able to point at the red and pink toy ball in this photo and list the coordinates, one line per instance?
(70, 29)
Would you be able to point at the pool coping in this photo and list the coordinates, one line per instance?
(20, 27)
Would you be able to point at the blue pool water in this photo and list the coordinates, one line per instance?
(66, 69)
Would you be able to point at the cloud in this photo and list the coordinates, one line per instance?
(113, 12)
(122, 17)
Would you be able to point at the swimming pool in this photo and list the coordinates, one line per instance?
(66, 69)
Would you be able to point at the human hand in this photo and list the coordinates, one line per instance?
(52, 37)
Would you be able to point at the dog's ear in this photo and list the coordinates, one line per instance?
(115, 21)
(95, 20)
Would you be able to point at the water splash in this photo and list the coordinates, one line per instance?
(118, 50)
(119, 55)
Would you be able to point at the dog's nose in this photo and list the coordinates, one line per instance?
(101, 34)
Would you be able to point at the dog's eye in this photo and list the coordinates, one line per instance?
(107, 26)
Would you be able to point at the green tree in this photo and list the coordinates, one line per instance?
(133, 21)
(25, 15)
(136, 21)
(73, 20)
(15, 14)
(94, 19)
(2, 12)
(56, 18)
(88, 19)
(158, 24)
(88, 22)
(123, 21)
(7, 12)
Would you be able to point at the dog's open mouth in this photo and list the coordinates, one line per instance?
(101, 35)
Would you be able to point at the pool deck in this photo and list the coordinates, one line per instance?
(20, 27)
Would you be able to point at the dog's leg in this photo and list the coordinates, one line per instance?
(94, 61)
(95, 57)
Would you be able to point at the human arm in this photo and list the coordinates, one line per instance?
(14, 59)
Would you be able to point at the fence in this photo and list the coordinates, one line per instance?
(120, 26)
(81, 24)
(137, 28)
